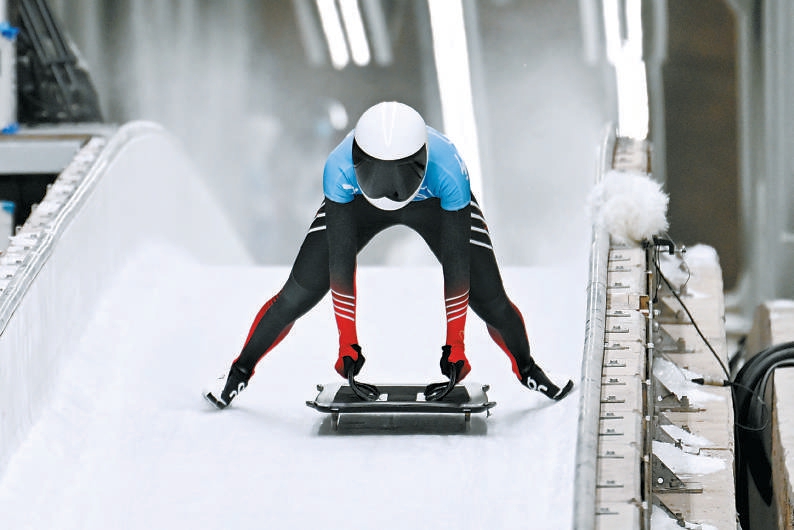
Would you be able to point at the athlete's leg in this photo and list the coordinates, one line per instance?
(305, 287)
(307, 284)
(503, 319)
(275, 319)
(489, 300)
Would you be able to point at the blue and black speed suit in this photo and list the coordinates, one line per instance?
(443, 213)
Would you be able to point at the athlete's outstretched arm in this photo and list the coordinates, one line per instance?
(454, 257)
(342, 249)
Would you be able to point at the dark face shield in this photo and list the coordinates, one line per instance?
(395, 180)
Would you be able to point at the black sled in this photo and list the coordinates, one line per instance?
(337, 399)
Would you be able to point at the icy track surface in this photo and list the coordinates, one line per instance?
(128, 442)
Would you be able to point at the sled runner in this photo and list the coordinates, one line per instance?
(336, 399)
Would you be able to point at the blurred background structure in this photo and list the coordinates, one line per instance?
(260, 91)
(252, 90)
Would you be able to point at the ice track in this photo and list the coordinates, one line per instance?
(127, 441)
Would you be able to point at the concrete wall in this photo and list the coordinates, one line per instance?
(774, 324)
(783, 446)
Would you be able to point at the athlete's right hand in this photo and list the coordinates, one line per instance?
(454, 362)
(350, 358)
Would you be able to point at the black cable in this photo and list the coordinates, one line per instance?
(697, 328)
(670, 244)
(752, 415)
(752, 422)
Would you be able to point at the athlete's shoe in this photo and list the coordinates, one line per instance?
(227, 387)
(536, 379)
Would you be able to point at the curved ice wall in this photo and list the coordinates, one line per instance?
(123, 191)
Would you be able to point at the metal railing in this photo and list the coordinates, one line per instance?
(590, 401)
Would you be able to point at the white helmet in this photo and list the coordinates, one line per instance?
(390, 154)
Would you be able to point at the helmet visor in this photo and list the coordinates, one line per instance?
(396, 180)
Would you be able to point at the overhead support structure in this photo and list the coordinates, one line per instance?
(53, 87)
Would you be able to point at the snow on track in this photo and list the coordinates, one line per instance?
(128, 442)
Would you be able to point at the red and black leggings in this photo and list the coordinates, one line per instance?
(309, 279)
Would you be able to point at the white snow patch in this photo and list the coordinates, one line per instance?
(661, 521)
(678, 381)
(630, 205)
(701, 255)
(677, 270)
(684, 463)
(686, 437)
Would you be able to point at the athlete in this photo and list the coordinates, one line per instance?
(392, 169)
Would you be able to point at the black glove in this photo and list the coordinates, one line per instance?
(437, 391)
(346, 363)
(354, 365)
(350, 368)
(450, 369)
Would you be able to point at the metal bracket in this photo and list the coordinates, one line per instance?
(667, 314)
(678, 516)
(669, 344)
(667, 401)
(671, 403)
(665, 481)
(661, 435)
